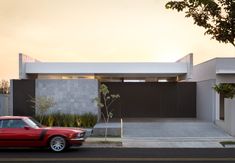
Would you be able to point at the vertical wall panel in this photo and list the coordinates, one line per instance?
(23, 92)
(152, 99)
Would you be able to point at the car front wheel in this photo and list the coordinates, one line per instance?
(57, 144)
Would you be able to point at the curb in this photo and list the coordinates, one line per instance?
(117, 142)
(99, 142)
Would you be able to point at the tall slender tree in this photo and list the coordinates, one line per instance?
(104, 101)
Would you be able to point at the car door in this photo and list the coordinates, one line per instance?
(1, 134)
(15, 134)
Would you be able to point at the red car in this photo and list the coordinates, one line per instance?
(19, 131)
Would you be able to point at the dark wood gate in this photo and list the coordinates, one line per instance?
(23, 92)
(152, 99)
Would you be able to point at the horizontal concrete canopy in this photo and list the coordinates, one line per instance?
(172, 69)
(225, 72)
(225, 66)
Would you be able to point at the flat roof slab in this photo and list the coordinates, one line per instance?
(106, 68)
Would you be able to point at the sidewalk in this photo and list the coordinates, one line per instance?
(164, 133)
(173, 133)
(117, 142)
(174, 143)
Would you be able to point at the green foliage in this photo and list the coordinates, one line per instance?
(87, 120)
(104, 102)
(4, 87)
(217, 17)
(226, 89)
(224, 143)
(42, 104)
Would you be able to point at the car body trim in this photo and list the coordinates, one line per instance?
(19, 140)
(78, 139)
(42, 135)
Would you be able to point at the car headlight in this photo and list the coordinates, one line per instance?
(81, 134)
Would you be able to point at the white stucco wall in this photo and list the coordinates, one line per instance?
(225, 65)
(207, 74)
(229, 120)
(228, 78)
(204, 71)
(206, 100)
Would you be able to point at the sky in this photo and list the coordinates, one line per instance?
(99, 31)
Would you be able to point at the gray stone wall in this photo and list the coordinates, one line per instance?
(71, 96)
(4, 104)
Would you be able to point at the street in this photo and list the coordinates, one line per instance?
(225, 155)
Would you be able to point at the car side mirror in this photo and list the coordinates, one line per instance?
(26, 127)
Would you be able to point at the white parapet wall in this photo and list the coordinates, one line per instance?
(23, 59)
(4, 104)
(188, 60)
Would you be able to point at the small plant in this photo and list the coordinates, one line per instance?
(104, 102)
(50, 120)
(86, 120)
(42, 104)
(4, 87)
(225, 89)
(224, 143)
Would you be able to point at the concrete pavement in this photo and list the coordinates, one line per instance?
(165, 133)
(173, 133)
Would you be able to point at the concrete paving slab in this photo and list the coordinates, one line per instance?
(140, 144)
(172, 133)
(161, 133)
(172, 129)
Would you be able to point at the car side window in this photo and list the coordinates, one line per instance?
(13, 123)
(0, 123)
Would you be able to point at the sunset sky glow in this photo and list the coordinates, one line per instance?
(99, 31)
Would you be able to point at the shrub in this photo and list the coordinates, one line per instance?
(225, 89)
(4, 87)
(42, 104)
(86, 120)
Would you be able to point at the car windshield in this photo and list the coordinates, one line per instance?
(33, 123)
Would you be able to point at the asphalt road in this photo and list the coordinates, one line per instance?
(123, 155)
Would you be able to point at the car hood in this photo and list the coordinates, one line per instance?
(65, 129)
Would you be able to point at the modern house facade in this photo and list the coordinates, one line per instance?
(74, 86)
(210, 105)
(156, 90)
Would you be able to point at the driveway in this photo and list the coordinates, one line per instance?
(174, 132)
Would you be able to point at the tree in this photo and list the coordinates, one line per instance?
(42, 104)
(225, 89)
(4, 87)
(104, 102)
(217, 17)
